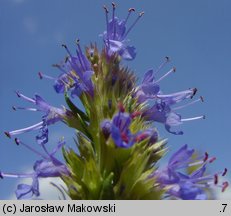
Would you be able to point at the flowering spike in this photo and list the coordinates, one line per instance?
(118, 144)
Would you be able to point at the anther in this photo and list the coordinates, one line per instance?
(224, 186)
(77, 41)
(40, 75)
(18, 94)
(105, 8)
(215, 179)
(55, 65)
(1, 176)
(141, 14)
(194, 92)
(113, 5)
(64, 46)
(66, 59)
(206, 157)
(7, 134)
(131, 10)
(225, 172)
(167, 58)
(212, 159)
(14, 108)
(202, 98)
(174, 69)
(17, 141)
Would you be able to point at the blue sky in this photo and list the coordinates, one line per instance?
(195, 34)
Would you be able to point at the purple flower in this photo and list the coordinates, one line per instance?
(76, 74)
(48, 166)
(120, 133)
(52, 115)
(163, 112)
(186, 186)
(115, 36)
(149, 88)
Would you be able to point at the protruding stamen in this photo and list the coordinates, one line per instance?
(24, 130)
(215, 179)
(19, 142)
(225, 172)
(165, 75)
(113, 20)
(107, 24)
(41, 76)
(167, 59)
(131, 27)
(105, 8)
(224, 186)
(212, 159)
(25, 97)
(66, 48)
(130, 10)
(194, 118)
(7, 134)
(188, 104)
(206, 157)
(15, 108)
(79, 53)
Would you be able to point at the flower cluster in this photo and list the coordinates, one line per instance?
(118, 146)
